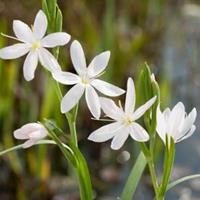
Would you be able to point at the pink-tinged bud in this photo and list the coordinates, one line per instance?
(32, 132)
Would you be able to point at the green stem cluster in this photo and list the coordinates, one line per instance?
(160, 189)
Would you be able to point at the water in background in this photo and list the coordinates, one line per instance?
(181, 64)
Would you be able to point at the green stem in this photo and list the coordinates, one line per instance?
(168, 164)
(21, 146)
(71, 117)
(151, 167)
(186, 178)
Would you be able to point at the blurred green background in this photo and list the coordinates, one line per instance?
(165, 33)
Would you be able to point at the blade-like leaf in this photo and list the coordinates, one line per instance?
(134, 178)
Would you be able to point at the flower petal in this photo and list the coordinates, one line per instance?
(105, 132)
(66, 78)
(29, 143)
(176, 117)
(187, 135)
(92, 100)
(142, 109)
(78, 57)
(22, 31)
(130, 97)
(23, 132)
(48, 60)
(161, 126)
(55, 39)
(166, 114)
(20, 134)
(187, 128)
(71, 98)
(107, 88)
(189, 121)
(30, 65)
(37, 135)
(14, 51)
(98, 64)
(120, 138)
(40, 25)
(111, 109)
(138, 133)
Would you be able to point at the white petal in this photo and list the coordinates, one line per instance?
(98, 64)
(40, 134)
(22, 31)
(71, 98)
(176, 116)
(66, 78)
(191, 131)
(130, 97)
(189, 121)
(92, 100)
(138, 133)
(55, 39)
(25, 130)
(119, 139)
(166, 114)
(29, 143)
(142, 109)
(107, 88)
(105, 132)
(48, 60)
(78, 57)
(20, 134)
(40, 25)
(161, 126)
(14, 51)
(30, 65)
(111, 109)
(186, 130)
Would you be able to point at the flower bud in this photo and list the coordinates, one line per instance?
(32, 132)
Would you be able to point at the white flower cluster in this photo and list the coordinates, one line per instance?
(33, 42)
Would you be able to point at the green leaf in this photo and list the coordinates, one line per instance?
(59, 20)
(183, 179)
(83, 174)
(150, 88)
(52, 4)
(45, 9)
(134, 178)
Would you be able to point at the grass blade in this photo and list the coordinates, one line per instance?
(134, 178)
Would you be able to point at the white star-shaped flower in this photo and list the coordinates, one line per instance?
(124, 120)
(32, 132)
(175, 123)
(86, 81)
(33, 42)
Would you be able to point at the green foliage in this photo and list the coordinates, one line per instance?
(134, 177)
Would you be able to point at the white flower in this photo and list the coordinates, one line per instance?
(32, 132)
(124, 124)
(86, 81)
(175, 123)
(34, 43)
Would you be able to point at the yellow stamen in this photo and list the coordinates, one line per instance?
(36, 45)
(128, 121)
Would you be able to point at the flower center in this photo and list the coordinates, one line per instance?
(36, 45)
(127, 121)
(85, 80)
